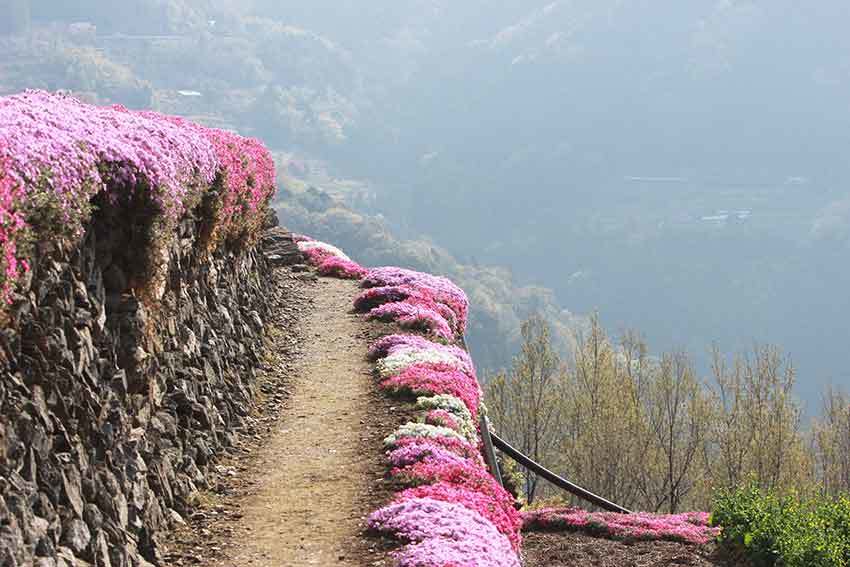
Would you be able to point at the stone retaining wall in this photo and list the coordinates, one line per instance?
(112, 407)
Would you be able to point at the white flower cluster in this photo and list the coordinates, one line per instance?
(411, 429)
(329, 248)
(454, 406)
(401, 359)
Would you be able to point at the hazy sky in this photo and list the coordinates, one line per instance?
(527, 134)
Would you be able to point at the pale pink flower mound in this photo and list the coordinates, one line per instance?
(452, 444)
(57, 153)
(440, 534)
(689, 527)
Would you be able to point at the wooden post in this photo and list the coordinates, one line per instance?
(489, 451)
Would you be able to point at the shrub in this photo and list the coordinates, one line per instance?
(772, 529)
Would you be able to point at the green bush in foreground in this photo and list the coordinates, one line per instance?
(784, 531)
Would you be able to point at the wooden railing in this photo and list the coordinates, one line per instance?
(493, 441)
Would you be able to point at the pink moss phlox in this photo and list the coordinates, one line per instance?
(335, 267)
(74, 150)
(456, 446)
(12, 226)
(317, 256)
(415, 313)
(58, 153)
(427, 378)
(691, 527)
(499, 510)
(443, 418)
(411, 306)
(247, 170)
(376, 296)
(440, 534)
(391, 344)
(414, 453)
(432, 288)
(467, 474)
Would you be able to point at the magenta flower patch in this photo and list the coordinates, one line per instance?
(689, 527)
(499, 510)
(12, 226)
(468, 475)
(339, 268)
(247, 170)
(415, 300)
(57, 153)
(426, 378)
(415, 314)
(328, 259)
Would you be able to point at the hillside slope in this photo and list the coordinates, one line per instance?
(498, 303)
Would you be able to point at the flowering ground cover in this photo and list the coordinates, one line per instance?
(443, 534)
(329, 260)
(449, 409)
(453, 512)
(436, 378)
(57, 154)
(415, 300)
(247, 174)
(12, 224)
(391, 343)
(454, 444)
(690, 527)
(339, 268)
(500, 511)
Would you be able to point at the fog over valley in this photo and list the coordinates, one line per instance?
(681, 168)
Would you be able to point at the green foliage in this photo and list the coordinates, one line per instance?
(784, 530)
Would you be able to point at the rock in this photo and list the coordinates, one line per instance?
(76, 536)
(72, 487)
(100, 551)
(176, 518)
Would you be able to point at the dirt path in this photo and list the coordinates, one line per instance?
(308, 503)
(298, 485)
